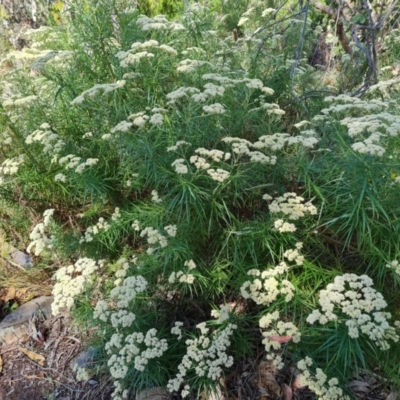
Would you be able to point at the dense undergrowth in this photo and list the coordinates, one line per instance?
(209, 191)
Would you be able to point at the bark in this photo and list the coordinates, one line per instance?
(335, 15)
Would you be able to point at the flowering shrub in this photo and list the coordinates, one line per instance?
(353, 296)
(201, 193)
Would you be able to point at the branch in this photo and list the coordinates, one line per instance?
(335, 15)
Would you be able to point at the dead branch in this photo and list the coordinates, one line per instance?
(336, 16)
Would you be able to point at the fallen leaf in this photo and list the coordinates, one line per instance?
(287, 392)
(280, 339)
(360, 386)
(296, 383)
(10, 294)
(21, 292)
(393, 396)
(37, 358)
(1, 364)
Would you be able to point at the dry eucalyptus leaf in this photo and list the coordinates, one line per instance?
(10, 294)
(21, 292)
(393, 396)
(287, 392)
(360, 386)
(37, 358)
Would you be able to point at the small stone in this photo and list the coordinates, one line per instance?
(22, 259)
(84, 359)
(157, 393)
(40, 307)
(15, 326)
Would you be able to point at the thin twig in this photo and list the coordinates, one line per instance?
(298, 53)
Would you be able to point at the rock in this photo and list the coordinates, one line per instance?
(16, 256)
(157, 393)
(84, 359)
(14, 334)
(40, 307)
(14, 327)
(22, 259)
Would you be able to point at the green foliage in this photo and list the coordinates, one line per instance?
(166, 7)
(154, 150)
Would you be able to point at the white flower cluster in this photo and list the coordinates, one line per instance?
(190, 66)
(211, 90)
(180, 166)
(5, 138)
(246, 16)
(205, 356)
(138, 348)
(122, 272)
(183, 276)
(352, 299)
(325, 389)
(101, 225)
(218, 174)
(371, 145)
(215, 155)
(135, 347)
(69, 285)
(227, 82)
(293, 207)
(136, 225)
(181, 93)
(277, 141)
(159, 22)
(100, 88)
(11, 165)
(278, 328)
(50, 140)
(156, 119)
(215, 108)
(122, 294)
(343, 103)
(242, 147)
(122, 318)
(283, 227)
(222, 314)
(139, 119)
(294, 254)
(266, 286)
(21, 102)
(155, 197)
(370, 122)
(39, 239)
(395, 266)
(171, 230)
(154, 236)
(138, 51)
(116, 215)
(201, 163)
(73, 162)
(176, 329)
(122, 126)
(82, 374)
(178, 144)
(60, 177)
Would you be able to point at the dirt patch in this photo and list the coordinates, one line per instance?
(46, 372)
